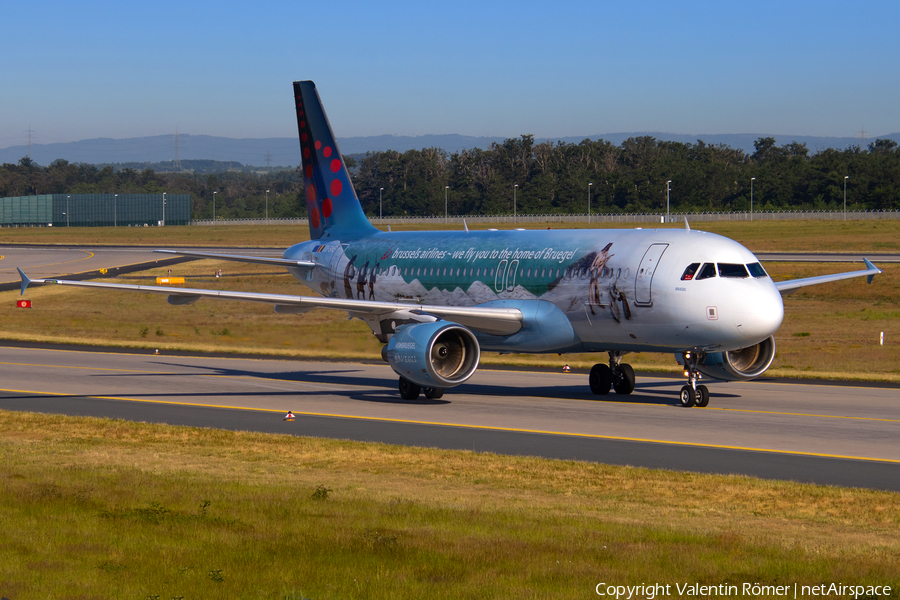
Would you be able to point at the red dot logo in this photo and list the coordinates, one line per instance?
(311, 193)
(327, 151)
(303, 137)
(335, 165)
(309, 171)
(314, 218)
(318, 144)
(326, 207)
(302, 124)
(306, 154)
(336, 187)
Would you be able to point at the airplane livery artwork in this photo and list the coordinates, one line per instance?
(438, 299)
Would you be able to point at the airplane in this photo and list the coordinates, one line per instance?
(437, 299)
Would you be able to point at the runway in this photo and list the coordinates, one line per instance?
(832, 434)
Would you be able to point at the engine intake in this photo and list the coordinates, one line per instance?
(438, 354)
(739, 365)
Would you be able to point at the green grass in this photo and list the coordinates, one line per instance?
(109, 509)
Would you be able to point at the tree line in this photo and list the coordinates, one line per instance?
(638, 176)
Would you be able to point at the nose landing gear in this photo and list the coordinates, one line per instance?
(693, 394)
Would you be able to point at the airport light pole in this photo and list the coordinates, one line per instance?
(116, 210)
(267, 207)
(380, 191)
(846, 177)
(515, 189)
(214, 207)
(164, 209)
(67, 210)
(590, 185)
(446, 191)
(752, 179)
(667, 200)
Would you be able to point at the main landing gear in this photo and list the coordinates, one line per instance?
(693, 394)
(411, 391)
(617, 375)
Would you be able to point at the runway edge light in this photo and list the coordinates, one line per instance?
(23, 303)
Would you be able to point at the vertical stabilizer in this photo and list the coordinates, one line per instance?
(331, 201)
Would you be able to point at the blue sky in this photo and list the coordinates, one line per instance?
(98, 68)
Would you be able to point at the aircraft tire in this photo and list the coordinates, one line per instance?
(624, 383)
(688, 396)
(702, 395)
(409, 390)
(433, 393)
(600, 379)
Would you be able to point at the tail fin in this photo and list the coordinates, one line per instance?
(331, 201)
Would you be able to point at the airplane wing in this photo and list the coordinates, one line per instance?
(792, 285)
(490, 320)
(262, 260)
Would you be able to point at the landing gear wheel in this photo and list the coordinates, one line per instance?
(688, 396)
(702, 395)
(433, 393)
(409, 390)
(624, 382)
(600, 379)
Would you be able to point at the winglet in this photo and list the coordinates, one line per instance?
(686, 226)
(871, 266)
(25, 280)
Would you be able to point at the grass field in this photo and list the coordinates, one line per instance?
(109, 509)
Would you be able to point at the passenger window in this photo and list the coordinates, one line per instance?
(756, 270)
(690, 271)
(706, 271)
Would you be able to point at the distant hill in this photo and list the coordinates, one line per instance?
(284, 152)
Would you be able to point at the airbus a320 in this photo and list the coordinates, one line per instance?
(438, 299)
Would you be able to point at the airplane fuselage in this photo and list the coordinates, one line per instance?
(619, 289)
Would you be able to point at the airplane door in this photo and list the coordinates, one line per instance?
(511, 276)
(644, 278)
(499, 282)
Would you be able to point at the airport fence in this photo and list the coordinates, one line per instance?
(824, 215)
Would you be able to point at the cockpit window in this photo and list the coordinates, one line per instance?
(706, 271)
(732, 270)
(690, 271)
(756, 270)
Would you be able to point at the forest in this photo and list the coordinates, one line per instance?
(528, 178)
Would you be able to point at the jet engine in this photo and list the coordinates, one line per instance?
(438, 354)
(739, 365)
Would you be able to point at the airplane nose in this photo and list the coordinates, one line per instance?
(759, 315)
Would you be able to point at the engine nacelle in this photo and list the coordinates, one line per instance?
(439, 354)
(739, 365)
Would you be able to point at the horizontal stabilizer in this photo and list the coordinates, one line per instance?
(261, 260)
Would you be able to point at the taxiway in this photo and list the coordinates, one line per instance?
(841, 434)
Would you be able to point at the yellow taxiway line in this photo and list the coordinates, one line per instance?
(482, 427)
